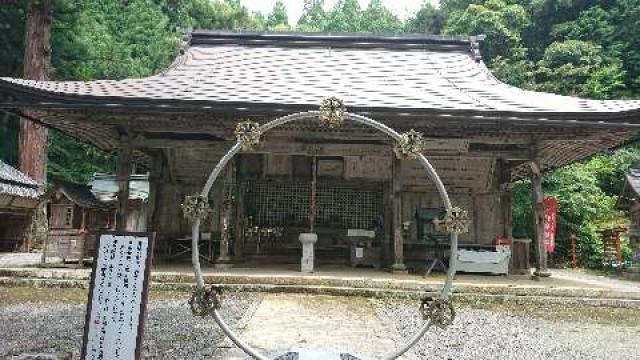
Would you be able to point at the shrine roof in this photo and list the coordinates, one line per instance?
(632, 179)
(15, 183)
(80, 195)
(274, 73)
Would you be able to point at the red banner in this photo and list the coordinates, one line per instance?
(550, 223)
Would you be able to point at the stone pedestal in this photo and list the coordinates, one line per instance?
(399, 269)
(307, 262)
(223, 262)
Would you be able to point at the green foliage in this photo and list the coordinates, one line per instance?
(345, 16)
(313, 17)
(580, 68)
(118, 40)
(278, 19)
(12, 39)
(587, 193)
(9, 127)
(348, 16)
(207, 14)
(74, 161)
(501, 22)
(376, 18)
(428, 20)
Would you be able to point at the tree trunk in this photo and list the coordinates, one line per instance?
(32, 138)
(37, 65)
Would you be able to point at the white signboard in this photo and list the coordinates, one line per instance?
(117, 299)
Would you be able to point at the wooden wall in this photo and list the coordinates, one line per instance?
(471, 182)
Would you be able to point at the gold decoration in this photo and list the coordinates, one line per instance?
(439, 311)
(332, 111)
(456, 221)
(248, 134)
(195, 207)
(204, 301)
(410, 145)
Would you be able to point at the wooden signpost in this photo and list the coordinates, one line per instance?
(114, 323)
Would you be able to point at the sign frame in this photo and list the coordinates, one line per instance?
(145, 288)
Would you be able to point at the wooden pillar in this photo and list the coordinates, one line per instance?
(123, 170)
(240, 221)
(398, 241)
(507, 212)
(505, 188)
(537, 201)
(314, 186)
(224, 261)
(155, 176)
(388, 243)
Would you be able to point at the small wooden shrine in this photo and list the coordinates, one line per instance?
(78, 212)
(19, 197)
(482, 135)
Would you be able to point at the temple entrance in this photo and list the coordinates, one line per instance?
(279, 197)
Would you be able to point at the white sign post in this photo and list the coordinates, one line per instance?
(114, 323)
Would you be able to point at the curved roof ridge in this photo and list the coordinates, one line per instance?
(302, 39)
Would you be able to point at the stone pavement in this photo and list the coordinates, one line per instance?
(24, 259)
(591, 279)
(337, 324)
(563, 286)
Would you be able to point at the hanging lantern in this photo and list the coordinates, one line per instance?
(248, 134)
(456, 221)
(410, 145)
(195, 207)
(332, 111)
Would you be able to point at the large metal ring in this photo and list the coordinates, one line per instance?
(431, 173)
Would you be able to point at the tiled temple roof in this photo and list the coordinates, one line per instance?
(294, 71)
(80, 195)
(15, 183)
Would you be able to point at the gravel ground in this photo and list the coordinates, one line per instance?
(494, 334)
(171, 331)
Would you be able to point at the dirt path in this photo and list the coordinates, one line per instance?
(292, 321)
(593, 280)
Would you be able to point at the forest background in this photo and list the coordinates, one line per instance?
(585, 48)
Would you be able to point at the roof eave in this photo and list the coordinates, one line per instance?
(627, 119)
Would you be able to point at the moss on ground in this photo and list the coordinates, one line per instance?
(603, 315)
(606, 315)
(18, 295)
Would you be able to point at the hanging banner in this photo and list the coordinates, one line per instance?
(114, 320)
(550, 223)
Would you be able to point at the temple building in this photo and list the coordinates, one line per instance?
(482, 135)
(19, 197)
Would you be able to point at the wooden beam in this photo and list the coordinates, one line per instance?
(224, 260)
(240, 218)
(398, 241)
(314, 188)
(537, 201)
